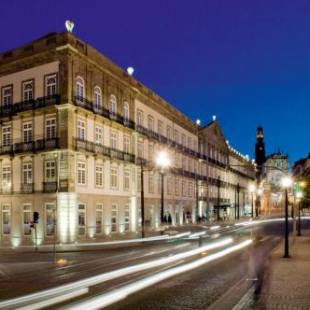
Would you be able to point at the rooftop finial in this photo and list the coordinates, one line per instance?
(69, 25)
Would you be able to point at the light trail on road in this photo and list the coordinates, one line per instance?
(116, 295)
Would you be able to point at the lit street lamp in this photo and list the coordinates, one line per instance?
(252, 190)
(286, 184)
(163, 162)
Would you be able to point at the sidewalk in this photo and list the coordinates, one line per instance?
(286, 284)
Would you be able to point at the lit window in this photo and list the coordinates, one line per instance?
(50, 170)
(6, 178)
(139, 118)
(27, 220)
(113, 139)
(151, 183)
(79, 88)
(114, 177)
(28, 91)
(50, 128)
(97, 98)
(50, 218)
(81, 173)
(6, 135)
(51, 85)
(27, 173)
(126, 144)
(126, 111)
(27, 130)
(99, 218)
(113, 106)
(126, 217)
(98, 135)
(81, 130)
(99, 175)
(7, 96)
(6, 219)
(82, 219)
(126, 180)
(114, 218)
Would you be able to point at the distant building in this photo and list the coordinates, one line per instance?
(301, 166)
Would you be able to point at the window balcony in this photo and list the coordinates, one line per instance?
(47, 144)
(49, 187)
(23, 147)
(27, 188)
(6, 149)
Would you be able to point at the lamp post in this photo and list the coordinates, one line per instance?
(299, 197)
(142, 200)
(252, 190)
(286, 183)
(163, 162)
(259, 194)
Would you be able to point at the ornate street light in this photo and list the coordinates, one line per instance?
(286, 184)
(163, 162)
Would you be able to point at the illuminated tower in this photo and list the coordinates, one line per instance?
(260, 155)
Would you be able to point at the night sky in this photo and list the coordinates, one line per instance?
(248, 62)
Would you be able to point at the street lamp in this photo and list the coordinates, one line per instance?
(163, 162)
(299, 196)
(286, 183)
(259, 194)
(252, 190)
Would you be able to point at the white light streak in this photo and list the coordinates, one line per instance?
(215, 227)
(116, 295)
(112, 275)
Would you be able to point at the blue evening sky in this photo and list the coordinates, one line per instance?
(248, 62)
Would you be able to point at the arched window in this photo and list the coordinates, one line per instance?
(28, 91)
(97, 97)
(113, 106)
(79, 88)
(50, 85)
(126, 111)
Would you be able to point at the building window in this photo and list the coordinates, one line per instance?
(139, 118)
(51, 85)
(6, 178)
(81, 173)
(82, 219)
(50, 218)
(126, 111)
(126, 179)
(28, 91)
(27, 173)
(126, 144)
(50, 170)
(27, 220)
(6, 135)
(99, 176)
(126, 217)
(81, 130)
(99, 135)
(177, 186)
(140, 148)
(113, 106)
(79, 88)
(99, 218)
(176, 136)
(50, 128)
(113, 139)
(183, 140)
(190, 189)
(114, 218)
(151, 183)
(169, 132)
(169, 185)
(114, 177)
(160, 127)
(7, 96)
(150, 123)
(183, 188)
(97, 98)
(151, 151)
(6, 219)
(27, 132)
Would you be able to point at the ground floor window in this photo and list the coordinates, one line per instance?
(27, 220)
(82, 219)
(6, 219)
(50, 219)
(99, 218)
(114, 218)
(126, 217)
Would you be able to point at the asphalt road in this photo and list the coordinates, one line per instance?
(197, 289)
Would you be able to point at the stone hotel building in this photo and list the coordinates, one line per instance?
(75, 130)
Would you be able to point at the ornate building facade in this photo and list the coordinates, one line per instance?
(76, 130)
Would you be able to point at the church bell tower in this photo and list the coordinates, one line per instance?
(260, 155)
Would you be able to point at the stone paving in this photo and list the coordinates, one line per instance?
(286, 283)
